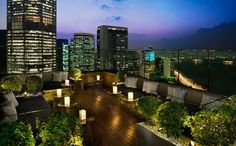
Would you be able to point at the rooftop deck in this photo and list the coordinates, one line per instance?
(112, 125)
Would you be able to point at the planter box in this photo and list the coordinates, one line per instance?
(145, 137)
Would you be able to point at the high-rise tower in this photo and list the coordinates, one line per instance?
(82, 52)
(112, 46)
(31, 37)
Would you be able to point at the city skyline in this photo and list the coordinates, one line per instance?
(147, 21)
(151, 18)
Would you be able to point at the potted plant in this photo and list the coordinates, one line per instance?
(171, 116)
(120, 76)
(16, 134)
(215, 127)
(12, 83)
(75, 74)
(148, 106)
(78, 83)
(60, 129)
(34, 84)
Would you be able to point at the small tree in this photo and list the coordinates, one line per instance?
(34, 84)
(120, 76)
(171, 116)
(215, 127)
(16, 134)
(75, 74)
(60, 129)
(148, 106)
(12, 83)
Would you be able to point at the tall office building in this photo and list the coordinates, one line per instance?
(82, 52)
(31, 38)
(134, 60)
(62, 58)
(149, 59)
(112, 46)
(166, 68)
(3, 51)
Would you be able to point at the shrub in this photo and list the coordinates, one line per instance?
(16, 134)
(215, 127)
(120, 76)
(34, 84)
(75, 74)
(171, 116)
(12, 83)
(60, 129)
(148, 105)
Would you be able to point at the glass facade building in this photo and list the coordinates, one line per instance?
(62, 55)
(112, 46)
(3, 50)
(31, 37)
(82, 52)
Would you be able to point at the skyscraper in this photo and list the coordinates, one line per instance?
(31, 38)
(62, 55)
(3, 50)
(82, 52)
(112, 46)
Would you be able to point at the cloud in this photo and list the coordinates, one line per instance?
(105, 7)
(118, 0)
(113, 18)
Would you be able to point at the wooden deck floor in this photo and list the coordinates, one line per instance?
(112, 125)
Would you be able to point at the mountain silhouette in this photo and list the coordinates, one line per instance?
(220, 37)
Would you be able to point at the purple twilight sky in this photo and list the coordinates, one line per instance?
(146, 19)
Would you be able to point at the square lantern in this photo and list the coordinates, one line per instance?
(130, 96)
(114, 90)
(98, 77)
(82, 116)
(59, 92)
(67, 82)
(67, 101)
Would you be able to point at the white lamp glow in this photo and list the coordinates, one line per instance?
(82, 114)
(67, 82)
(114, 90)
(67, 101)
(59, 92)
(130, 96)
(98, 77)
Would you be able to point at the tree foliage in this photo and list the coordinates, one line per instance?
(12, 83)
(34, 84)
(75, 74)
(148, 105)
(215, 127)
(171, 116)
(60, 129)
(16, 134)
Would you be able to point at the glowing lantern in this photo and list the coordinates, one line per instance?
(67, 101)
(67, 82)
(130, 96)
(59, 92)
(98, 77)
(114, 90)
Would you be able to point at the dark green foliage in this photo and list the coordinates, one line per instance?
(171, 116)
(148, 105)
(34, 84)
(156, 75)
(12, 83)
(16, 134)
(60, 129)
(120, 76)
(215, 127)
